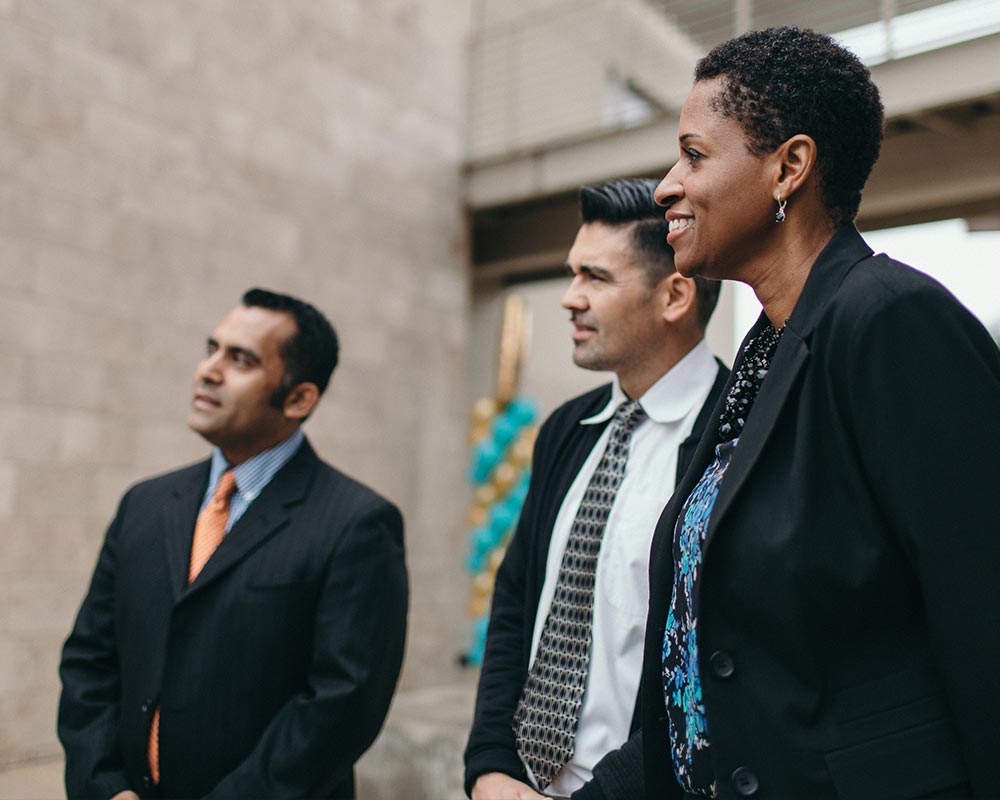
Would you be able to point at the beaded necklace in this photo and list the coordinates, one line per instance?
(749, 376)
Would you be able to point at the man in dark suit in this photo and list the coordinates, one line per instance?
(560, 677)
(244, 627)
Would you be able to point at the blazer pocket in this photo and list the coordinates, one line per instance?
(279, 596)
(276, 585)
(885, 721)
(904, 765)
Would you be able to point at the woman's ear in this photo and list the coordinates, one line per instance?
(796, 160)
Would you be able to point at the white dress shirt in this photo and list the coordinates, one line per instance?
(621, 591)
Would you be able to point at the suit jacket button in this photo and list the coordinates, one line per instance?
(722, 663)
(744, 782)
(147, 781)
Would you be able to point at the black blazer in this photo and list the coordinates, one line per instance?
(560, 450)
(849, 609)
(273, 671)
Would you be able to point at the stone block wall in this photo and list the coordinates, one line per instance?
(155, 160)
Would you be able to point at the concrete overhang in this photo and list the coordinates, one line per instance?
(942, 152)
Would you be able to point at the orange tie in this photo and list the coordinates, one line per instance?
(209, 531)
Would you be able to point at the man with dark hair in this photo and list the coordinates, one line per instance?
(311, 354)
(560, 676)
(243, 631)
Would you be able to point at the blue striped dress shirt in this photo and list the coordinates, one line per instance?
(251, 476)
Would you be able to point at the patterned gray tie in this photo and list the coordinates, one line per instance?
(549, 709)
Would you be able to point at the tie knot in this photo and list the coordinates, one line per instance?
(628, 416)
(227, 484)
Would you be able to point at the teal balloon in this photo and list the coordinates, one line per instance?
(513, 504)
(486, 456)
(502, 519)
(504, 430)
(474, 562)
(518, 494)
(521, 410)
(474, 655)
(482, 537)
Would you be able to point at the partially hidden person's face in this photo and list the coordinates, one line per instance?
(235, 381)
(616, 313)
(718, 197)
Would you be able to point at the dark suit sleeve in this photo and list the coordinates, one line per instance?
(359, 633)
(491, 746)
(617, 776)
(922, 379)
(89, 705)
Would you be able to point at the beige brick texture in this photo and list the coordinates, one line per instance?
(156, 159)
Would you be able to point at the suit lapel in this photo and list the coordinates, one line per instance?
(661, 557)
(266, 516)
(707, 416)
(843, 252)
(179, 515)
(789, 360)
(693, 456)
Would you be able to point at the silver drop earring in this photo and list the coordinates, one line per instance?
(780, 216)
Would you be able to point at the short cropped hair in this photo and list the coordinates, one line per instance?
(780, 82)
(629, 201)
(311, 354)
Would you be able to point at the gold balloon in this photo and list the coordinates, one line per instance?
(483, 410)
(520, 453)
(477, 606)
(476, 516)
(486, 495)
(504, 477)
(478, 432)
(515, 338)
(496, 558)
(529, 435)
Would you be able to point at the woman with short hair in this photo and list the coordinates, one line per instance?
(824, 604)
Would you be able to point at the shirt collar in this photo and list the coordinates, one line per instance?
(673, 396)
(255, 473)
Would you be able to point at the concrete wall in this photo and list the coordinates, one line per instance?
(155, 160)
(542, 71)
(527, 56)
